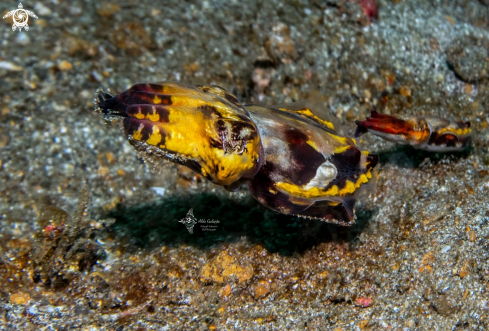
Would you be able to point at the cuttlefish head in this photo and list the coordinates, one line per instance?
(204, 128)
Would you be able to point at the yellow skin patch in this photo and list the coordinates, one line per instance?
(153, 117)
(313, 145)
(333, 191)
(308, 113)
(155, 137)
(138, 135)
(459, 132)
(343, 140)
(337, 149)
(341, 149)
(367, 153)
(156, 100)
(139, 115)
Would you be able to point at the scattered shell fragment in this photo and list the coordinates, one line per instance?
(10, 66)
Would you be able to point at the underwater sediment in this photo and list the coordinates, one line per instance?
(90, 236)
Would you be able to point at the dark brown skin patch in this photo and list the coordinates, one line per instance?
(148, 109)
(149, 97)
(348, 166)
(231, 98)
(260, 187)
(463, 125)
(372, 161)
(237, 127)
(128, 97)
(128, 103)
(147, 130)
(204, 89)
(243, 117)
(304, 157)
(210, 109)
(114, 105)
(137, 94)
(155, 88)
(446, 139)
(215, 143)
(222, 131)
(221, 128)
(131, 125)
(361, 129)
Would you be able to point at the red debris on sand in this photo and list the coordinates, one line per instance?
(49, 228)
(363, 302)
(370, 9)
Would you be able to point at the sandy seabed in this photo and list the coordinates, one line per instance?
(90, 236)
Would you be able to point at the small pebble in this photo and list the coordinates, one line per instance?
(159, 190)
(405, 91)
(445, 248)
(33, 310)
(65, 66)
(9, 66)
(23, 39)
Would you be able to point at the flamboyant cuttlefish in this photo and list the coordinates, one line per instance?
(291, 160)
(429, 133)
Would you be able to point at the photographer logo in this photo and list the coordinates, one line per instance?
(205, 224)
(20, 18)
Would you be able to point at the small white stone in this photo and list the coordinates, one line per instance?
(445, 248)
(33, 310)
(10, 66)
(159, 190)
(23, 39)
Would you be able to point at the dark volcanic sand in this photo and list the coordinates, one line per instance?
(417, 259)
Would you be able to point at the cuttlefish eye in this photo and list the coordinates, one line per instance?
(204, 128)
